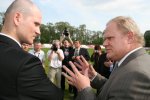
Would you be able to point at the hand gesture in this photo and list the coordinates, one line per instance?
(80, 79)
(75, 78)
(83, 65)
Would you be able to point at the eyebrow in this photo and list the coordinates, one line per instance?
(37, 23)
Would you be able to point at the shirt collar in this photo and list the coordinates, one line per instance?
(120, 62)
(11, 38)
(77, 49)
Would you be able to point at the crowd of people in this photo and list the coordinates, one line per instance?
(120, 73)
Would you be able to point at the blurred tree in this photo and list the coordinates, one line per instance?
(45, 33)
(1, 19)
(60, 26)
(82, 33)
(147, 38)
(50, 32)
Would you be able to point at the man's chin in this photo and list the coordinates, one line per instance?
(109, 56)
(30, 42)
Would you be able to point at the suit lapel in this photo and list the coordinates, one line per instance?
(132, 56)
(80, 52)
(105, 92)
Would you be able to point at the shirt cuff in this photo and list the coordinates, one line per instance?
(93, 77)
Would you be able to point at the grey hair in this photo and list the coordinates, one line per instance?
(127, 24)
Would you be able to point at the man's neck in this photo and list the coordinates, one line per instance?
(37, 50)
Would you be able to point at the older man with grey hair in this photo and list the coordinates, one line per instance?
(130, 79)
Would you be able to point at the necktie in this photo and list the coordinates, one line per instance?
(76, 52)
(115, 66)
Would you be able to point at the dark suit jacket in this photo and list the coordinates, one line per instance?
(84, 53)
(98, 64)
(67, 58)
(131, 81)
(22, 76)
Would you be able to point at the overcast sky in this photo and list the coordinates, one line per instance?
(94, 13)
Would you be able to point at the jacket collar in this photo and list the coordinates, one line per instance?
(8, 41)
(133, 55)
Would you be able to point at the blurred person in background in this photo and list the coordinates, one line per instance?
(105, 65)
(96, 56)
(25, 46)
(67, 47)
(38, 52)
(77, 52)
(55, 57)
(101, 64)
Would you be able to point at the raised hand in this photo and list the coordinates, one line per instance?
(85, 67)
(77, 79)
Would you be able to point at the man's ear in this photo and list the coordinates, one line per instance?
(130, 37)
(17, 18)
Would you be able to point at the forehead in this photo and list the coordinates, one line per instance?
(37, 44)
(57, 43)
(65, 41)
(37, 15)
(76, 42)
(111, 29)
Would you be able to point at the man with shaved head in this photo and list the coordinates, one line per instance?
(22, 76)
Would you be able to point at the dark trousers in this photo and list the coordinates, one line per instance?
(75, 92)
(63, 84)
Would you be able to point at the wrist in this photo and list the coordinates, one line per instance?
(83, 88)
(93, 76)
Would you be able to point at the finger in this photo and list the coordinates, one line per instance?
(91, 67)
(67, 76)
(84, 60)
(79, 66)
(71, 83)
(74, 68)
(80, 61)
(70, 80)
(82, 72)
(69, 71)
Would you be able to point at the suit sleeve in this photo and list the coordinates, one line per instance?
(98, 82)
(86, 94)
(33, 82)
(86, 54)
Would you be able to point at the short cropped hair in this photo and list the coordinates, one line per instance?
(16, 6)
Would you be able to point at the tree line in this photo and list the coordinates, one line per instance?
(52, 31)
